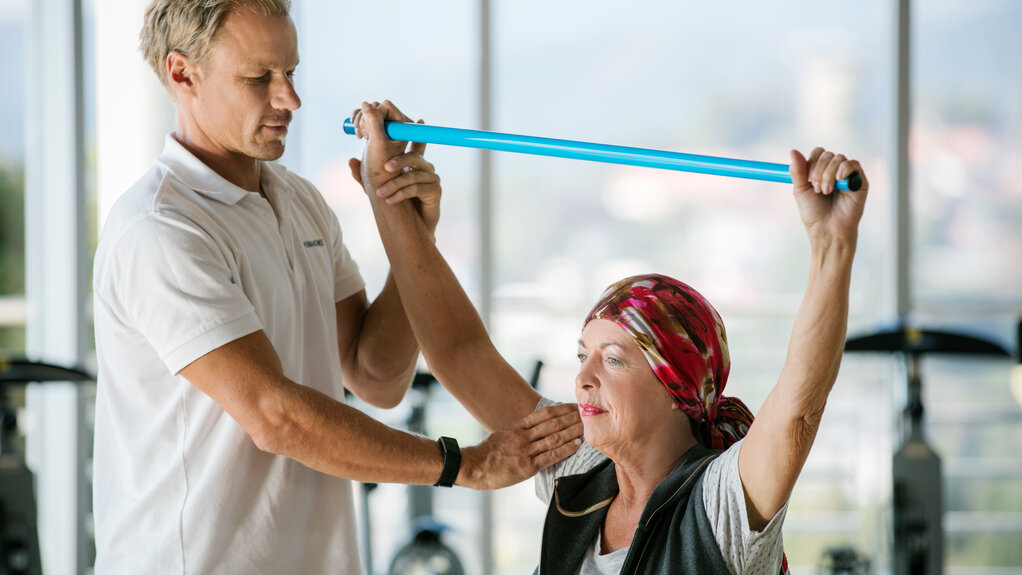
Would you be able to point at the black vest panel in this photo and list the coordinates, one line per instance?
(673, 537)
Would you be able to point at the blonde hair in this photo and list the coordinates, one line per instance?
(190, 27)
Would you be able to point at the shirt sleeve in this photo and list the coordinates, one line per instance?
(581, 461)
(744, 550)
(170, 281)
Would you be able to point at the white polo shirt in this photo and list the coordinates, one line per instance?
(186, 263)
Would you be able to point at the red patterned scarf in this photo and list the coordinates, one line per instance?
(683, 339)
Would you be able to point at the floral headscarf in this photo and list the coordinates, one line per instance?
(683, 339)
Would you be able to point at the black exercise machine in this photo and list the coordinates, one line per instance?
(19, 537)
(916, 473)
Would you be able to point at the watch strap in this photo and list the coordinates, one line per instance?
(452, 461)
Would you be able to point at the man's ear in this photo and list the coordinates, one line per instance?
(181, 73)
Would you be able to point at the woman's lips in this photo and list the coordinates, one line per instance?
(588, 410)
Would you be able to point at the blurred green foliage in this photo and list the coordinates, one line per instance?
(12, 247)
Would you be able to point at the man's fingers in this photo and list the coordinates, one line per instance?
(427, 192)
(409, 178)
(555, 440)
(548, 458)
(541, 415)
(554, 422)
(553, 426)
(408, 161)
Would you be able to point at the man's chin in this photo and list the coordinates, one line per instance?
(269, 151)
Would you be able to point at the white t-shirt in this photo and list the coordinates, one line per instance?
(745, 551)
(186, 263)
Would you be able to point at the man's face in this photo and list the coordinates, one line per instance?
(244, 93)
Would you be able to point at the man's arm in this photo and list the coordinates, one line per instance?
(377, 347)
(282, 417)
(454, 340)
(779, 440)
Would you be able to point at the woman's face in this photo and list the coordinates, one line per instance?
(621, 401)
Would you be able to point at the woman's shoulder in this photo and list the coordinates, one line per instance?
(586, 458)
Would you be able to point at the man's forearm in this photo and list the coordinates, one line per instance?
(339, 440)
(333, 438)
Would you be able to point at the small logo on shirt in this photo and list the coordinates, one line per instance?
(313, 243)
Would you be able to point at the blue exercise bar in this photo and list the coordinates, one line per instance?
(576, 150)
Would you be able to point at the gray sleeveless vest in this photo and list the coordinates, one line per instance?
(673, 537)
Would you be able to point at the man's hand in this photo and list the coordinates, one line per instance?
(393, 170)
(521, 449)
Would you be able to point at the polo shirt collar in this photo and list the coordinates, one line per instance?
(192, 172)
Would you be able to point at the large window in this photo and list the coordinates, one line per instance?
(967, 212)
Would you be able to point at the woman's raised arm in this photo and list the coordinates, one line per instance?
(452, 337)
(779, 440)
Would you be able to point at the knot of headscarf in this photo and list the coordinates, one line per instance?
(683, 339)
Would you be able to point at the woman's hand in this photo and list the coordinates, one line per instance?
(828, 214)
(394, 170)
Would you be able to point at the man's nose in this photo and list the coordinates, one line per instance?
(285, 97)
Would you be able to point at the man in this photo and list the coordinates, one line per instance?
(228, 314)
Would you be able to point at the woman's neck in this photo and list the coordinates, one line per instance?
(640, 470)
(637, 477)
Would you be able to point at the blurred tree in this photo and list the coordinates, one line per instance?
(12, 247)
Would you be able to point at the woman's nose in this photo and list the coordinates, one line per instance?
(586, 379)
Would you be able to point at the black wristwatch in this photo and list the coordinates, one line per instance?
(452, 461)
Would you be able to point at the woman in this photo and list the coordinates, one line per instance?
(651, 478)
(674, 477)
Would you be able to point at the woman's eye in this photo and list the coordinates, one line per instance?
(614, 361)
(582, 358)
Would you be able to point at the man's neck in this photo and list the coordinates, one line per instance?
(242, 171)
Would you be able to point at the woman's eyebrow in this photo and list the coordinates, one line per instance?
(603, 345)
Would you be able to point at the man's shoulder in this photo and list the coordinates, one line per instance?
(156, 189)
(156, 196)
